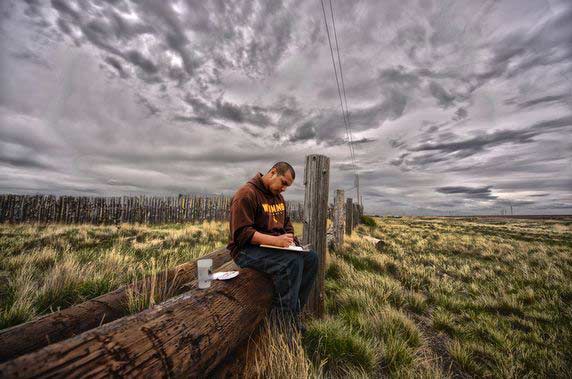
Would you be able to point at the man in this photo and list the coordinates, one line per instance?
(258, 217)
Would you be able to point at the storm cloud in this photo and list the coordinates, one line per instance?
(454, 107)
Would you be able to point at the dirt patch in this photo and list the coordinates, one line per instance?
(437, 347)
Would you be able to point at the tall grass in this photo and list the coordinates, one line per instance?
(53, 267)
(446, 297)
(278, 352)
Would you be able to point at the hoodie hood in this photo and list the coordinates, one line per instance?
(258, 183)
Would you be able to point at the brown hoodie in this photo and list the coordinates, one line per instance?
(253, 208)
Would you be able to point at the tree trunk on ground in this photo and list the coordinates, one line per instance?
(54, 327)
(187, 335)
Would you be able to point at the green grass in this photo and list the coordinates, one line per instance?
(444, 297)
(451, 296)
(56, 266)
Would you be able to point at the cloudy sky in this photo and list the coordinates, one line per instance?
(455, 106)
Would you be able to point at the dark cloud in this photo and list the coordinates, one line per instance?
(559, 206)
(476, 193)
(306, 131)
(152, 109)
(200, 121)
(542, 100)
(225, 110)
(395, 143)
(141, 61)
(399, 161)
(113, 62)
(23, 162)
(64, 7)
(444, 99)
(536, 183)
(463, 148)
(545, 43)
(399, 76)
(216, 90)
(341, 141)
(460, 114)
(32, 57)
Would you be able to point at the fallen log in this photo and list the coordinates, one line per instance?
(187, 335)
(58, 326)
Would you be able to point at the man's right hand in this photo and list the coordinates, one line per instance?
(284, 240)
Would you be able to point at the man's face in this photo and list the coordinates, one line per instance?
(279, 183)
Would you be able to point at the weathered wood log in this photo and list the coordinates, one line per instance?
(234, 364)
(187, 335)
(57, 326)
(316, 180)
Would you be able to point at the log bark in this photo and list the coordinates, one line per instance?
(57, 326)
(187, 335)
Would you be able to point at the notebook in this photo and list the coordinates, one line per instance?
(289, 248)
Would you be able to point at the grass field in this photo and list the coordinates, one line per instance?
(441, 297)
(453, 297)
(44, 268)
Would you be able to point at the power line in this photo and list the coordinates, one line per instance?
(337, 80)
(345, 113)
(350, 136)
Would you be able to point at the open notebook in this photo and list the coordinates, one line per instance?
(290, 248)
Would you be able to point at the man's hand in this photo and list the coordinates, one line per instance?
(284, 240)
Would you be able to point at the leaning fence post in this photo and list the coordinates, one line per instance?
(316, 181)
(339, 218)
(349, 216)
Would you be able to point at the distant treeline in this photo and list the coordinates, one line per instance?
(126, 209)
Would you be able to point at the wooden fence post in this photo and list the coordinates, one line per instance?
(316, 181)
(349, 216)
(339, 218)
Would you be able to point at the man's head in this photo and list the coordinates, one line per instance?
(279, 177)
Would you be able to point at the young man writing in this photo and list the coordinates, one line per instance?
(258, 217)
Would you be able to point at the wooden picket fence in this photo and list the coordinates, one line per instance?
(126, 209)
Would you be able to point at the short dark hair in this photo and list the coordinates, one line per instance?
(282, 168)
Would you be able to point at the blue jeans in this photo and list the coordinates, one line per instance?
(293, 274)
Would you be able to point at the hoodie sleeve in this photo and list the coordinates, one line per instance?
(242, 215)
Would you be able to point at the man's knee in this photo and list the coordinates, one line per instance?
(292, 266)
(311, 259)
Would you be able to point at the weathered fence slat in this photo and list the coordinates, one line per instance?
(115, 210)
(349, 216)
(339, 218)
